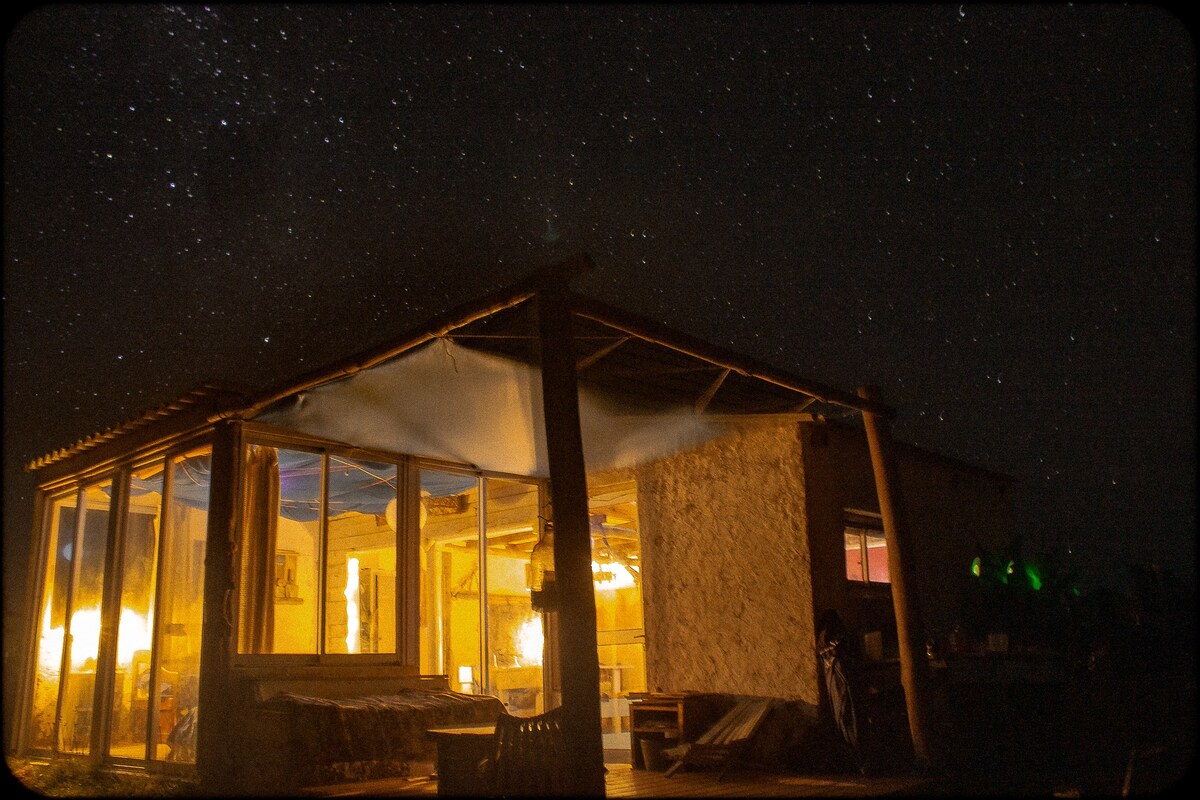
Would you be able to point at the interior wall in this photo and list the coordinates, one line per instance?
(728, 595)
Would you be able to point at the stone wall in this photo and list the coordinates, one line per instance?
(728, 585)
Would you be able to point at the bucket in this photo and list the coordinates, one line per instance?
(652, 754)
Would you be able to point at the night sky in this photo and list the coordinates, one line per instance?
(988, 212)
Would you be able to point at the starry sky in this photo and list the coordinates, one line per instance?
(986, 211)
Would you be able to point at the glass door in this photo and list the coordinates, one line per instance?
(617, 580)
(515, 637)
(451, 615)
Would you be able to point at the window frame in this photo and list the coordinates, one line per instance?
(117, 472)
(407, 571)
(863, 523)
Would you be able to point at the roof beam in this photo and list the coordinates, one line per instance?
(659, 334)
(587, 361)
(703, 400)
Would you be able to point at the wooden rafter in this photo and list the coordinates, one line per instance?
(703, 400)
(587, 361)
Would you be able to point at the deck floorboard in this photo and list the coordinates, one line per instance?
(622, 780)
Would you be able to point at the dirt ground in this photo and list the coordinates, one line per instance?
(1071, 741)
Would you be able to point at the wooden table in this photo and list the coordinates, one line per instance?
(460, 748)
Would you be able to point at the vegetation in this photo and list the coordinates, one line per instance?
(72, 777)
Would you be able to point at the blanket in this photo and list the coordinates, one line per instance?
(389, 727)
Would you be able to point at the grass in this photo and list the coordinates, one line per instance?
(71, 777)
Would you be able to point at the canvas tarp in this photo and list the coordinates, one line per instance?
(447, 401)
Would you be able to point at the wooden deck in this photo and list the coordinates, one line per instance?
(624, 781)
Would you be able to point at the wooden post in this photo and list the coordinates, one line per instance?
(35, 589)
(214, 761)
(110, 611)
(579, 662)
(914, 665)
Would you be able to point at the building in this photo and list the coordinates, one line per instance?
(389, 518)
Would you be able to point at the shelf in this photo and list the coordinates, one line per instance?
(680, 718)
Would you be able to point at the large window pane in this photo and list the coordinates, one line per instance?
(127, 735)
(877, 557)
(450, 612)
(617, 580)
(181, 608)
(854, 554)
(83, 635)
(360, 584)
(60, 537)
(515, 636)
(280, 551)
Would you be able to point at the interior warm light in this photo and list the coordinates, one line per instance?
(134, 636)
(50, 647)
(611, 576)
(351, 595)
(466, 679)
(85, 637)
(389, 514)
(530, 642)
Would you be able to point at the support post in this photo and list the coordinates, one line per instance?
(579, 664)
(214, 737)
(914, 666)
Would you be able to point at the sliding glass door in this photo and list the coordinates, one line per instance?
(477, 624)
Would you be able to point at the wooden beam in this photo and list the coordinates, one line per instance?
(35, 584)
(703, 400)
(214, 736)
(914, 665)
(579, 662)
(587, 361)
(659, 334)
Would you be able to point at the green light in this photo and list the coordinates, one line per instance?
(1034, 579)
(976, 567)
(1009, 570)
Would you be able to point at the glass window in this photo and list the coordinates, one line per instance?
(360, 582)
(281, 527)
(515, 637)
(83, 632)
(877, 557)
(60, 538)
(617, 579)
(127, 731)
(450, 642)
(854, 555)
(866, 550)
(180, 608)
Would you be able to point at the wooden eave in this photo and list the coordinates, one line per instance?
(174, 420)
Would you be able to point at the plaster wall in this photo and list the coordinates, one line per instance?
(728, 600)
